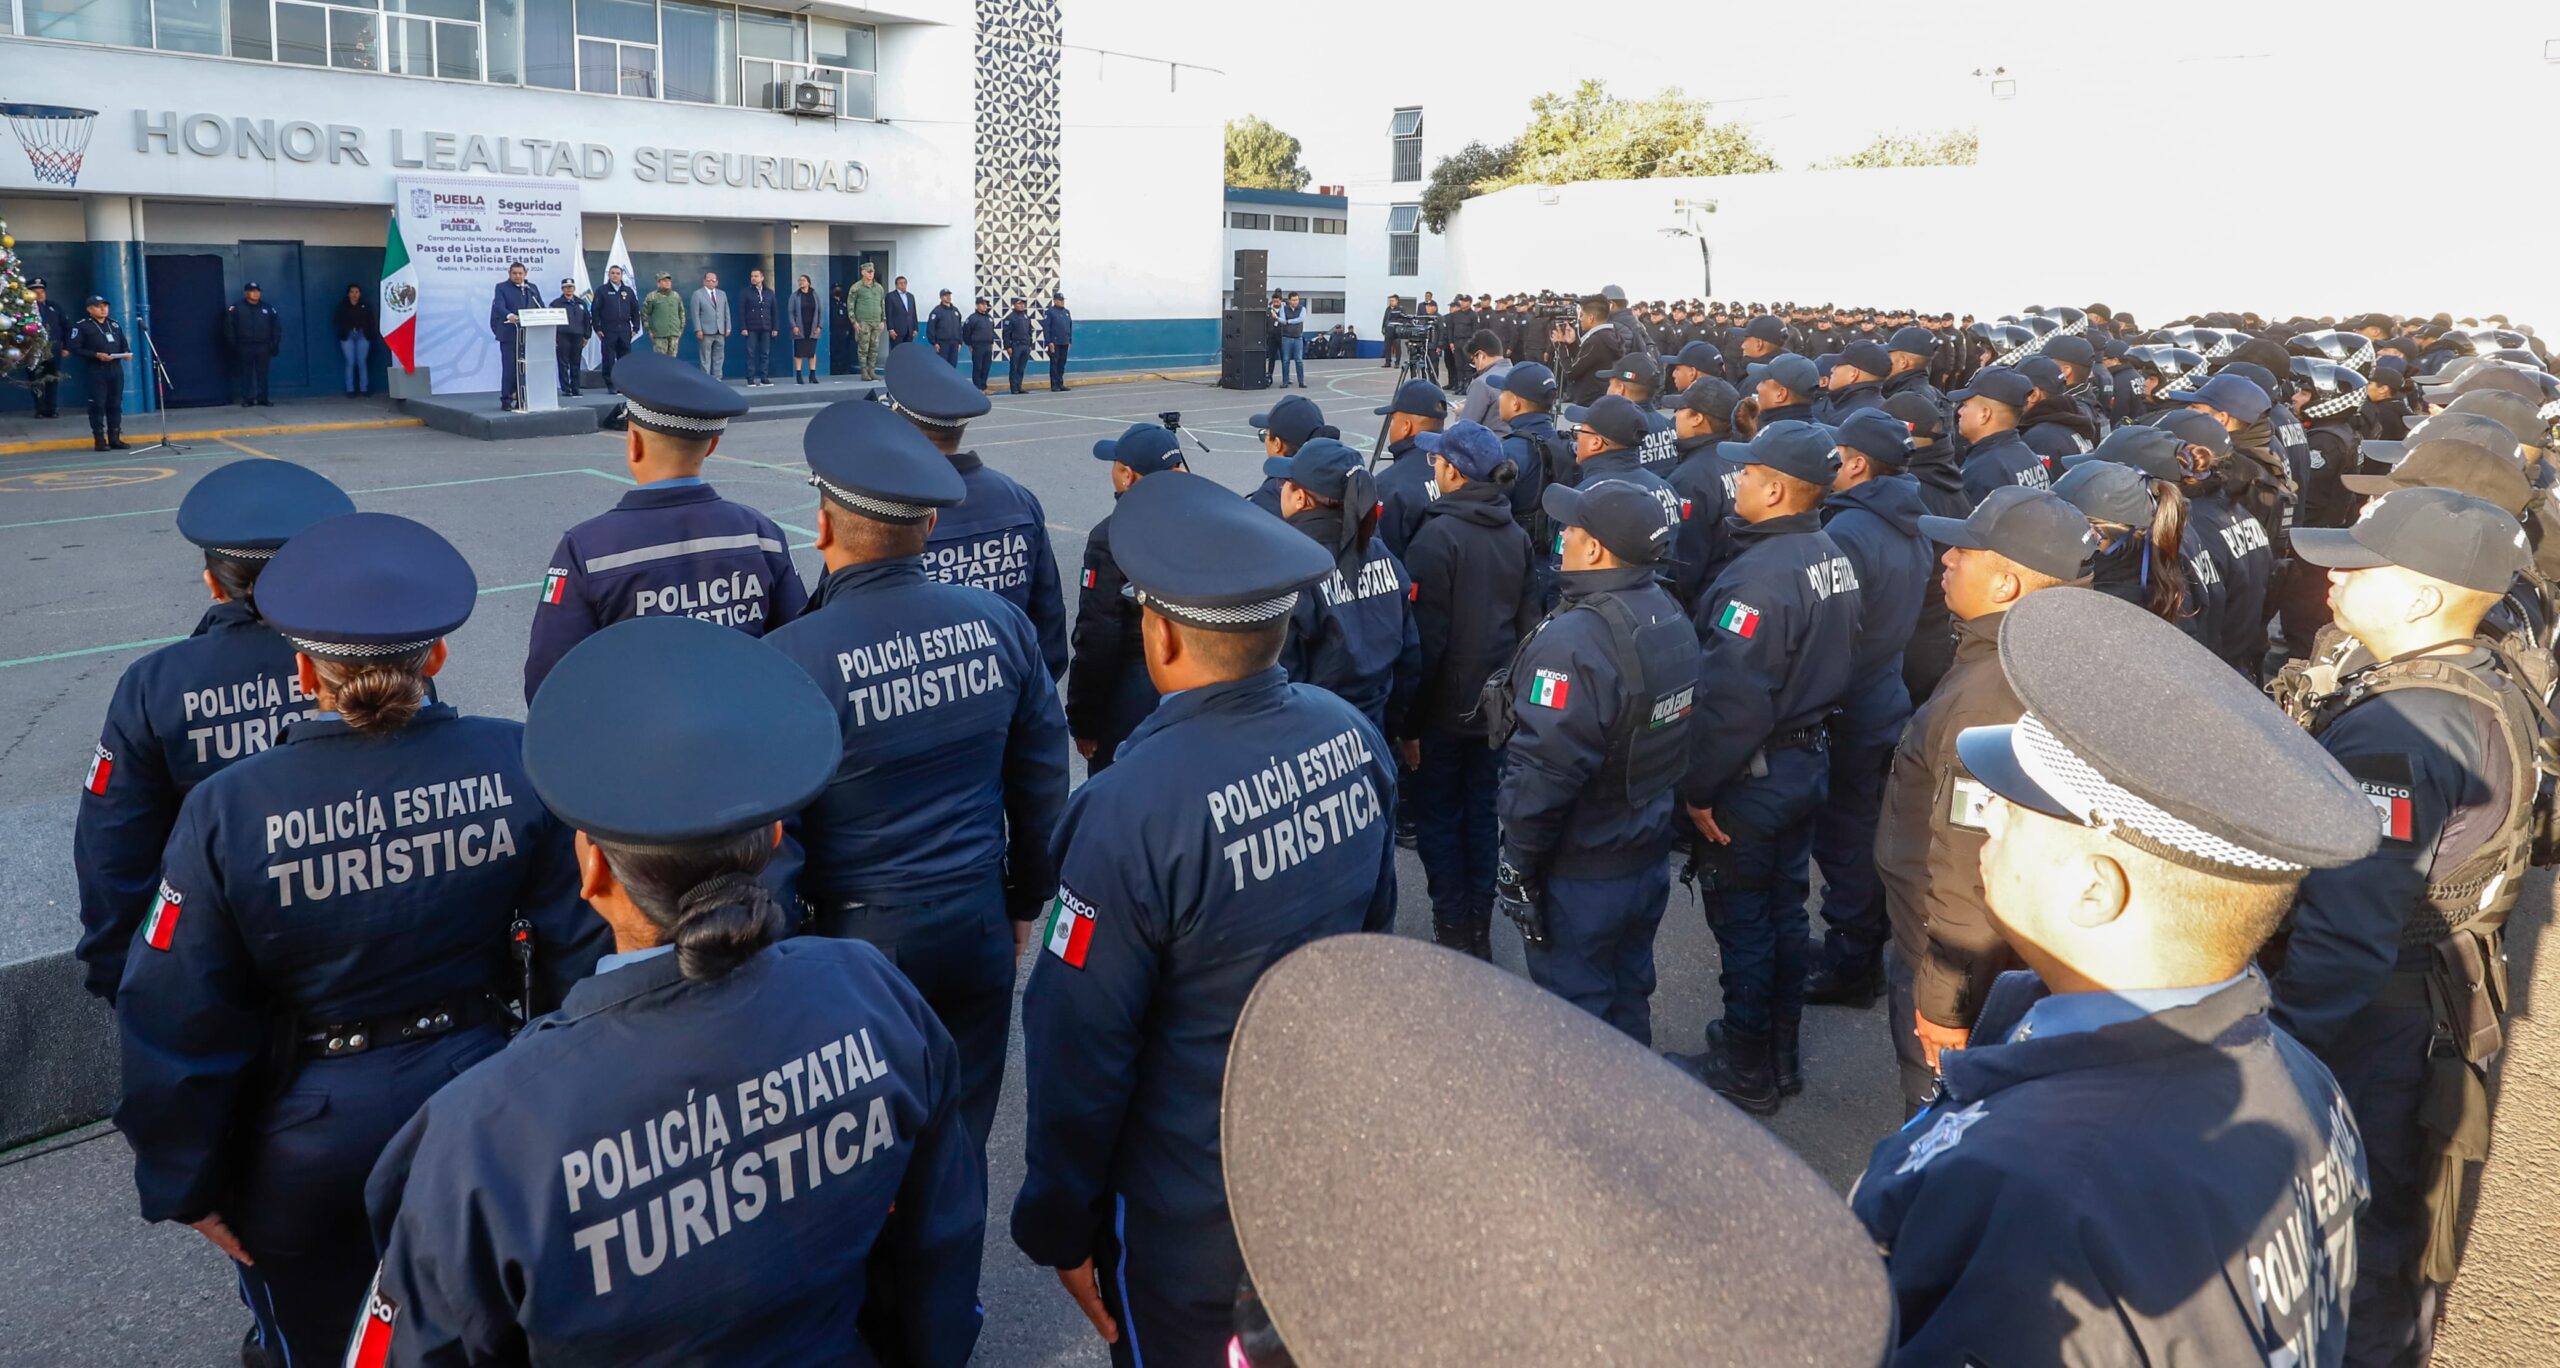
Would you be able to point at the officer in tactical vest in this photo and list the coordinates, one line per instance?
(1635, 378)
(1108, 692)
(1354, 634)
(1595, 709)
(2392, 966)
(1405, 487)
(1531, 442)
(1701, 423)
(1289, 425)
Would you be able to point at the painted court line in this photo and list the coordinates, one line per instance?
(163, 641)
(377, 489)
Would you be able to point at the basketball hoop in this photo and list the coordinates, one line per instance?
(54, 137)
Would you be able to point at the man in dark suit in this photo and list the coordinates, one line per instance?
(57, 335)
(512, 294)
(901, 313)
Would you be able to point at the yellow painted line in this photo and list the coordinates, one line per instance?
(244, 446)
(219, 434)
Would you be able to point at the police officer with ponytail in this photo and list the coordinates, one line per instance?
(338, 924)
(747, 1148)
(185, 711)
(1353, 632)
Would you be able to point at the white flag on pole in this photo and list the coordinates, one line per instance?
(592, 356)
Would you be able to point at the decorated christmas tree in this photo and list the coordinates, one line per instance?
(22, 340)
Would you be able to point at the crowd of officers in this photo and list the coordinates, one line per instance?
(749, 886)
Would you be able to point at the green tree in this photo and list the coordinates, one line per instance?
(22, 340)
(1471, 171)
(1949, 147)
(1261, 157)
(1591, 134)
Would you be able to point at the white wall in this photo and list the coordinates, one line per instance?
(1367, 282)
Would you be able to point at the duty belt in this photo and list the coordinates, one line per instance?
(1814, 737)
(440, 1017)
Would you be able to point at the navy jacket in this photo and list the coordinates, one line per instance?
(510, 298)
(997, 538)
(337, 877)
(955, 753)
(2059, 428)
(1353, 632)
(572, 335)
(256, 329)
(1877, 526)
(616, 311)
(666, 548)
(1778, 631)
(1838, 406)
(1405, 488)
(178, 717)
(978, 330)
(2124, 569)
(1532, 444)
(1241, 821)
(797, 1185)
(1704, 482)
(2238, 547)
(1108, 691)
(1555, 820)
(2003, 458)
(1475, 594)
(1660, 450)
(898, 314)
(2178, 1188)
(1620, 464)
(942, 327)
(1057, 326)
(758, 310)
(1015, 331)
(1914, 382)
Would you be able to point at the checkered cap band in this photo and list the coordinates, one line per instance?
(914, 417)
(341, 650)
(1238, 615)
(864, 503)
(244, 552)
(681, 424)
(2219, 349)
(2104, 805)
(2362, 362)
(2348, 402)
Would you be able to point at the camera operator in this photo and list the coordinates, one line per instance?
(1386, 323)
(1603, 342)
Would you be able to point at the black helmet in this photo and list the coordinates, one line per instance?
(2334, 388)
(2351, 350)
(2209, 343)
(2166, 363)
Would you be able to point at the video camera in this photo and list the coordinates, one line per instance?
(1405, 327)
(1557, 308)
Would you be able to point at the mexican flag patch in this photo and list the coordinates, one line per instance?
(2392, 802)
(102, 767)
(555, 583)
(1739, 618)
(1070, 927)
(161, 927)
(1549, 688)
(1088, 577)
(372, 1345)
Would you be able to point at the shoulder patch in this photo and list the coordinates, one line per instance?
(102, 768)
(1549, 689)
(1070, 933)
(1739, 618)
(160, 929)
(2387, 780)
(1089, 577)
(1940, 1138)
(555, 584)
(372, 1346)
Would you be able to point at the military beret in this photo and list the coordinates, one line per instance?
(665, 395)
(249, 508)
(1204, 558)
(928, 390)
(875, 463)
(365, 585)
(666, 730)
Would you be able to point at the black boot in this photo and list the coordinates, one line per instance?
(1835, 985)
(1482, 945)
(1456, 935)
(97, 441)
(115, 440)
(1737, 1066)
(1786, 1061)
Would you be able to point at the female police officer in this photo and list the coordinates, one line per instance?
(744, 1151)
(331, 920)
(192, 707)
(1354, 634)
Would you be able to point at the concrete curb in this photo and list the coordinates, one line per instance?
(216, 434)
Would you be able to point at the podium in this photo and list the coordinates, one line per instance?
(535, 361)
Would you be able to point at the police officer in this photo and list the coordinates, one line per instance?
(2127, 1120)
(1784, 388)
(840, 1216)
(997, 538)
(511, 297)
(2053, 424)
(1355, 633)
(2390, 966)
(1778, 629)
(251, 334)
(931, 842)
(942, 331)
(1873, 511)
(978, 331)
(1635, 378)
(1475, 593)
(1057, 331)
(1909, 354)
(1372, 1248)
(1693, 362)
(1595, 714)
(2327, 399)
(672, 545)
(1183, 871)
(616, 315)
(1611, 433)
(1290, 424)
(1531, 442)
(1987, 415)
(1703, 481)
(2243, 563)
(1108, 691)
(1015, 334)
(1762, 339)
(2130, 491)
(1602, 345)
(100, 341)
(190, 709)
(1856, 383)
(332, 932)
(569, 341)
(55, 325)
(1405, 488)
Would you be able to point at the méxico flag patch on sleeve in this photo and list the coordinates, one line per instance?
(1088, 577)
(371, 1347)
(555, 584)
(1550, 688)
(1070, 927)
(2388, 781)
(102, 767)
(1739, 618)
(161, 927)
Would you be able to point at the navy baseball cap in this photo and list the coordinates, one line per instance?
(1917, 414)
(871, 461)
(249, 508)
(2107, 492)
(1797, 374)
(1626, 518)
(1699, 356)
(2440, 533)
(1766, 327)
(2046, 373)
(1870, 357)
(1711, 395)
(2073, 349)
(2151, 451)
(1531, 381)
(674, 397)
(1914, 341)
(1145, 448)
(1470, 446)
(925, 390)
(1878, 436)
(1293, 420)
(1790, 446)
(2195, 429)
(1637, 368)
(2029, 526)
(619, 745)
(362, 586)
(1421, 398)
(2227, 393)
(1201, 557)
(1323, 466)
(1613, 416)
(2001, 385)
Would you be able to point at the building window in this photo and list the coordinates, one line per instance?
(1404, 239)
(1404, 133)
(123, 23)
(1326, 305)
(1333, 227)
(1240, 219)
(1289, 223)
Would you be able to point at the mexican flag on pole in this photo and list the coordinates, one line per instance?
(399, 300)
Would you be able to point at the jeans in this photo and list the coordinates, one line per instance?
(759, 356)
(1599, 950)
(1455, 830)
(715, 349)
(1756, 907)
(355, 347)
(1293, 350)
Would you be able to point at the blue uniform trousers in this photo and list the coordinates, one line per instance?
(958, 952)
(1599, 950)
(981, 360)
(2380, 1061)
(1058, 365)
(1172, 1287)
(1756, 907)
(1844, 847)
(949, 352)
(1016, 366)
(298, 1206)
(1455, 830)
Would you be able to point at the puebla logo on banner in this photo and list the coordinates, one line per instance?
(459, 234)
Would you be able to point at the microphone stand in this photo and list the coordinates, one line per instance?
(160, 380)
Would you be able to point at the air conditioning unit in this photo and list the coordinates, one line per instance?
(813, 99)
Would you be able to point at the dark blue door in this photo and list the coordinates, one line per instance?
(278, 267)
(186, 321)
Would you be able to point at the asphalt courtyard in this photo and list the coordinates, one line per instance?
(98, 575)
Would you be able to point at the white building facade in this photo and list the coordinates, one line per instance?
(1305, 239)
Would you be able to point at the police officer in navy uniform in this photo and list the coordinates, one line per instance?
(1856, 383)
(1289, 424)
(997, 538)
(1057, 332)
(1015, 334)
(1635, 378)
(100, 341)
(1693, 362)
(2128, 1121)
(336, 923)
(1354, 633)
(1108, 691)
(1405, 487)
(1607, 445)
(2390, 967)
(1784, 388)
(1245, 817)
(189, 709)
(942, 331)
(55, 325)
(1778, 629)
(251, 333)
(1909, 354)
(837, 1216)
(1595, 712)
(2235, 545)
(932, 841)
(1701, 419)
(616, 315)
(1531, 442)
(672, 545)
(978, 331)
(569, 341)
(511, 297)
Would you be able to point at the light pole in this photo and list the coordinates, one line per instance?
(1688, 220)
